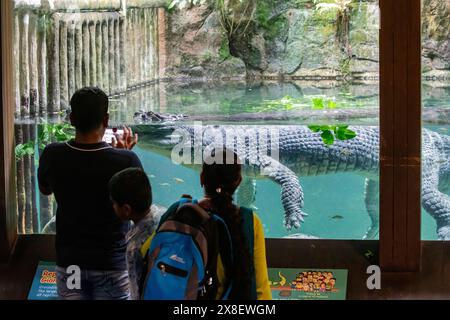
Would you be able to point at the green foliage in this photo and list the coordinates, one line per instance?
(224, 50)
(330, 133)
(318, 104)
(273, 25)
(24, 149)
(262, 13)
(345, 100)
(46, 134)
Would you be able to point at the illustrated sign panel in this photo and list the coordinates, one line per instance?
(308, 284)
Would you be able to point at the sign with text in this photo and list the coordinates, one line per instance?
(44, 282)
(308, 284)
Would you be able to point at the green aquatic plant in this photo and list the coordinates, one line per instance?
(47, 133)
(318, 103)
(289, 103)
(331, 133)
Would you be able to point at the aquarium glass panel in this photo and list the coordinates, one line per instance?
(294, 83)
(436, 120)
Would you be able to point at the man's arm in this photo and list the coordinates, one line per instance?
(43, 172)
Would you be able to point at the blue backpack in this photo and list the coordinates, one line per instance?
(183, 254)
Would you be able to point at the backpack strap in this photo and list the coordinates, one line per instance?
(226, 251)
(247, 217)
(174, 207)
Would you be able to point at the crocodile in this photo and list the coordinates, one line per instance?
(302, 153)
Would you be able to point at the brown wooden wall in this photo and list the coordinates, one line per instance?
(400, 125)
(8, 224)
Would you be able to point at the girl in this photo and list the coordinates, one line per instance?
(249, 271)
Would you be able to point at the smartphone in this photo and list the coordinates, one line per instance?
(110, 133)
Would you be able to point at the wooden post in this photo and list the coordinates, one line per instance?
(34, 71)
(53, 66)
(111, 74)
(86, 54)
(63, 65)
(17, 64)
(105, 56)
(78, 55)
(161, 54)
(8, 217)
(93, 53)
(122, 43)
(20, 183)
(71, 60)
(98, 50)
(400, 121)
(117, 85)
(42, 65)
(24, 65)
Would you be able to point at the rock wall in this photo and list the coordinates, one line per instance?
(294, 40)
(194, 38)
(436, 38)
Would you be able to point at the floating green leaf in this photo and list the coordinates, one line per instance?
(332, 104)
(327, 137)
(330, 133)
(318, 104)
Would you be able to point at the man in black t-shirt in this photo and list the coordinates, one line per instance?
(88, 233)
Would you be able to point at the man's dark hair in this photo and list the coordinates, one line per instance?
(131, 186)
(89, 107)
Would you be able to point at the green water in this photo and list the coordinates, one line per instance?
(326, 197)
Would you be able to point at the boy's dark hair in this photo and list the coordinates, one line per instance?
(89, 107)
(131, 186)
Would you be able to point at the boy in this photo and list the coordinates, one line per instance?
(131, 195)
(88, 233)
